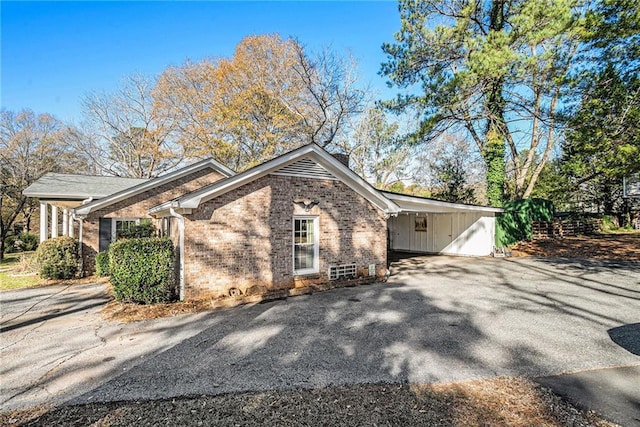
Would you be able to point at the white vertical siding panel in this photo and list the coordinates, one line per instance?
(471, 234)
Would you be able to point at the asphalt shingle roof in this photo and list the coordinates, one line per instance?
(61, 185)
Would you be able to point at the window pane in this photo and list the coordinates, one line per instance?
(123, 226)
(304, 243)
(310, 232)
(303, 256)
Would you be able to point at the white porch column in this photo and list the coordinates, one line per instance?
(44, 221)
(70, 225)
(54, 221)
(65, 222)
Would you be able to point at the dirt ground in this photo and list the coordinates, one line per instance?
(497, 401)
(624, 247)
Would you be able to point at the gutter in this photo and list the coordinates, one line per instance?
(180, 218)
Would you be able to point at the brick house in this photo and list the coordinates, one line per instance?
(302, 219)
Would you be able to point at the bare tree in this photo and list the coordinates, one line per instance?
(30, 146)
(125, 135)
(331, 97)
(376, 150)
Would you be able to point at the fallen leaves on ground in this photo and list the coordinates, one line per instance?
(620, 247)
(129, 312)
(496, 401)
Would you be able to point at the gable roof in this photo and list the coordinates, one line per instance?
(284, 165)
(78, 187)
(153, 183)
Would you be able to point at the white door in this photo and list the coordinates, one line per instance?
(443, 230)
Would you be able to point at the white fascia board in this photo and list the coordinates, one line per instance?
(166, 208)
(222, 168)
(157, 210)
(314, 152)
(409, 203)
(140, 188)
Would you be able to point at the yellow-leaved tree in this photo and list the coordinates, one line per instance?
(269, 97)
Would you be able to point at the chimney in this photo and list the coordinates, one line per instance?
(342, 158)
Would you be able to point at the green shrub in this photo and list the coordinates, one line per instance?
(142, 270)
(514, 224)
(102, 264)
(22, 242)
(58, 258)
(28, 241)
(609, 223)
(144, 229)
(10, 245)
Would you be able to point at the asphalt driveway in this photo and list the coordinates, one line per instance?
(437, 319)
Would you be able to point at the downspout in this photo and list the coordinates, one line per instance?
(180, 218)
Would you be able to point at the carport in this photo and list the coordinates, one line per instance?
(431, 226)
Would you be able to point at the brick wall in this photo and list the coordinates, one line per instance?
(243, 239)
(137, 206)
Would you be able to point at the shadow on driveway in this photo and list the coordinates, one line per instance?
(438, 319)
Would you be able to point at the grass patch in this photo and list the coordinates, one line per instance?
(489, 402)
(10, 259)
(11, 281)
(16, 272)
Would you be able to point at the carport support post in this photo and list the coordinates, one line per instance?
(44, 221)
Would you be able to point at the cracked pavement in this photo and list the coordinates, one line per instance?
(54, 343)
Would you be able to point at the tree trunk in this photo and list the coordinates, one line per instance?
(494, 150)
(493, 155)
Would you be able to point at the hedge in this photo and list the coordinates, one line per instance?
(142, 270)
(514, 224)
(58, 258)
(144, 229)
(22, 242)
(102, 264)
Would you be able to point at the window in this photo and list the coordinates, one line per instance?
(305, 245)
(122, 225)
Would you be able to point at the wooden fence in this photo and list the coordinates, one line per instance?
(552, 229)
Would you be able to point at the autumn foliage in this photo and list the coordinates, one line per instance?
(269, 97)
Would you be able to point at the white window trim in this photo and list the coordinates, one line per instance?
(113, 225)
(316, 245)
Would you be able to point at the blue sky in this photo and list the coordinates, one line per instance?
(55, 52)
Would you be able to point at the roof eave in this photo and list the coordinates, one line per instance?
(137, 189)
(418, 204)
